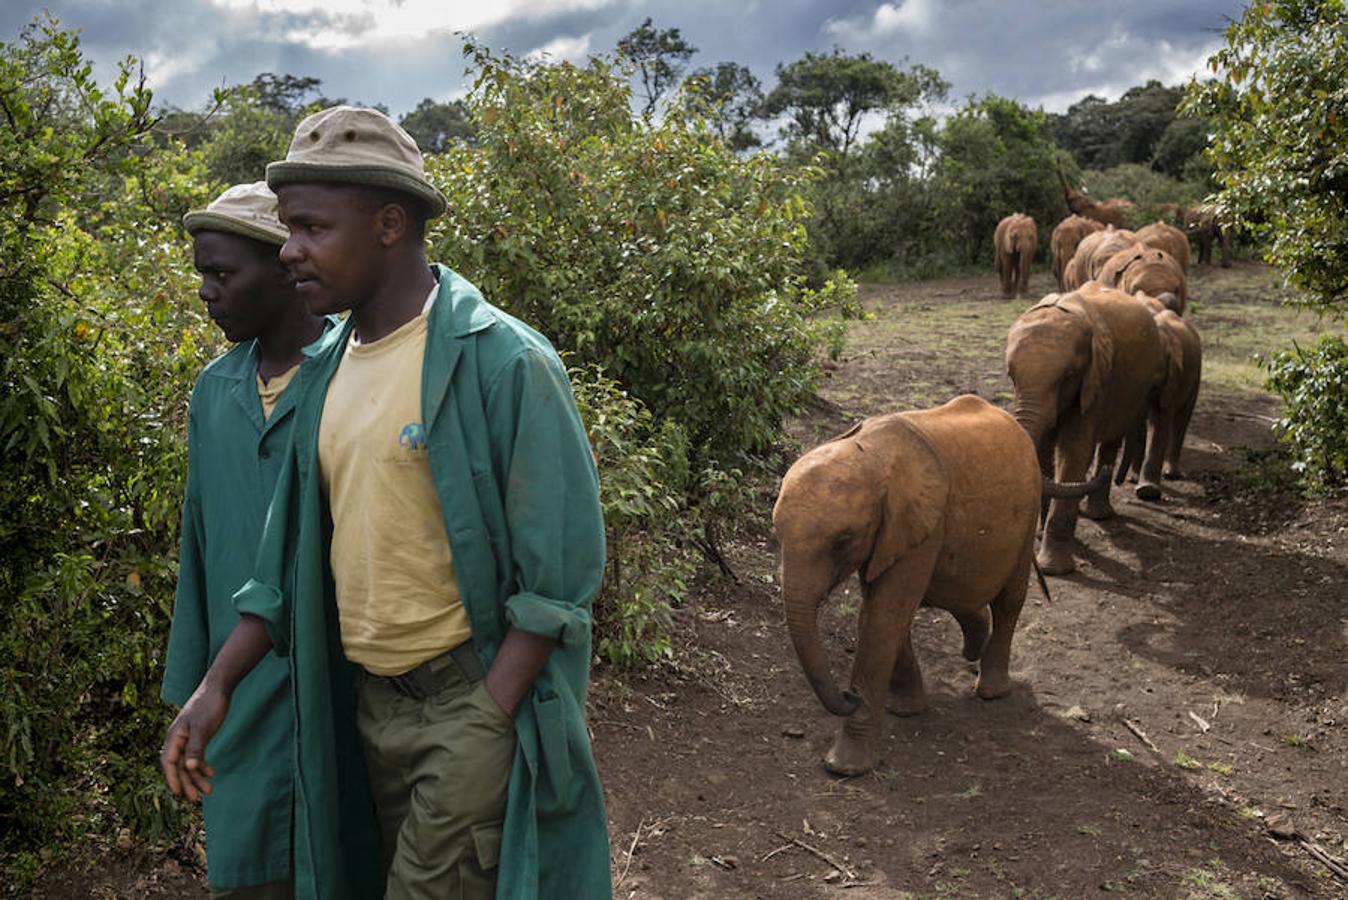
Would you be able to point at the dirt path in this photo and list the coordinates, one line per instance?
(1215, 624)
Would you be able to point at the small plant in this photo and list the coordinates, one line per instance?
(1314, 387)
(1221, 768)
(1295, 740)
(1119, 754)
(1185, 761)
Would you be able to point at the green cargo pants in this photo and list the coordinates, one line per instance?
(439, 768)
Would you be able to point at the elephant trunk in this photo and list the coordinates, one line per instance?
(1071, 490)
(802, 610)
(1029, 414)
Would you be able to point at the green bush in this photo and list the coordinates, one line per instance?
(650, 250)
(1143, 185)
(641, 490)
(1314, 387)
(99, 343)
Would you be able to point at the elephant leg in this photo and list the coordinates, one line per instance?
(1097, 502)
(1008, 274)
(975, 628)
(1149, 482)
(1024, 267)
(884, 627)
(1074, 456)
(994, 671)
(907, 696)
(1224, 239)
(1045, 453)
(1172, 464)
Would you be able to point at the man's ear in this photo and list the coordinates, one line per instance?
(391, 224)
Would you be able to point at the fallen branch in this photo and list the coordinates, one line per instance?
(1142, 736)
(1334, 865)
(772, 853)
(1203, 726)
(847, 873)
(636, 837)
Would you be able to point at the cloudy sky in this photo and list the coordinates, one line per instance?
(399, 51)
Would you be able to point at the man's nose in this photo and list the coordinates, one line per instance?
(290, 252)
(207, 293)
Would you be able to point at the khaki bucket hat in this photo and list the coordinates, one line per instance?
(355, 145)
(245, 209)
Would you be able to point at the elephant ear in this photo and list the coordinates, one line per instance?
(1102, 357)
(1172, 393)
(914, 506)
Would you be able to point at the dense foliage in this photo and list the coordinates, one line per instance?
(1280, 108)
(99, 343)
(1314, 386)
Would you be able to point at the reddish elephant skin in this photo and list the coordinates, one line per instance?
(1014, 243)
(1091, 255)
(1067, 234)
(1087, 367)
(930, 508)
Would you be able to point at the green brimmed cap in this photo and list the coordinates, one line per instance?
(244, 209)
(355, 145)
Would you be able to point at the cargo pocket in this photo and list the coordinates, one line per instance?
(477, 868)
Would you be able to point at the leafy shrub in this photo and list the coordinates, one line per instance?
(641, 492)
(1314, 387)
(1141, 184)
(98, 349)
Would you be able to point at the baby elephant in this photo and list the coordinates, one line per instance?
(931, 508)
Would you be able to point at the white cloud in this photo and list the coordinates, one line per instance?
(342, 24)
(912, 16)
(570, 49)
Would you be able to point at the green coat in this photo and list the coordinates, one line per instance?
(520, 498)
(233, 462)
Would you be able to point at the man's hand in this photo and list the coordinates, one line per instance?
(183, 758)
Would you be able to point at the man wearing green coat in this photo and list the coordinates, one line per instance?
(239, 428)
(470, 626)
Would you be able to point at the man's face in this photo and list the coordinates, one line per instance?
(334, 250)
(240, 282)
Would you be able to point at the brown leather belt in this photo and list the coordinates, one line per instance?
(459, 664)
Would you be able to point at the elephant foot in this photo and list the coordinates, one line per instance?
(1097, 510)
(1174, 473)
(907, 704)
(849, 756)
(993, 685)
(1148, 490)
(1055, 560)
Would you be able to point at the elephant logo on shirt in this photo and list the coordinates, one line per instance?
(413, 437)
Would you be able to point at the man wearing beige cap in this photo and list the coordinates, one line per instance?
(438, 524)
(239, 425)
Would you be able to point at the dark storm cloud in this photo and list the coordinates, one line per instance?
(1041, 53)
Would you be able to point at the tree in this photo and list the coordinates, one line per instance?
(434, 125)
(826, 96)
(1279, 108)
(284, 94)
(660, 58)
(1100, 134)
(996, 159)
(729, 97)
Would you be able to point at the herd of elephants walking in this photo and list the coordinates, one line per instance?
(954, 507)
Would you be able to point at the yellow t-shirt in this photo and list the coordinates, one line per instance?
(397, 595)
(270, 391)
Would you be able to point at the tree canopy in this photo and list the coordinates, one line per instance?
(660, 58)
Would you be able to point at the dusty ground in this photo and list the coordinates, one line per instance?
(1215, 624)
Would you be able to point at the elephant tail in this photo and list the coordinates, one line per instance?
(1043, 583)
(1071, 490)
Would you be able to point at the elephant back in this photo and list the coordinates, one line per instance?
(1092, 253)
(1067, 235)
(1168, 238)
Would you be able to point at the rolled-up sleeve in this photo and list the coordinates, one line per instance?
(551, 498)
